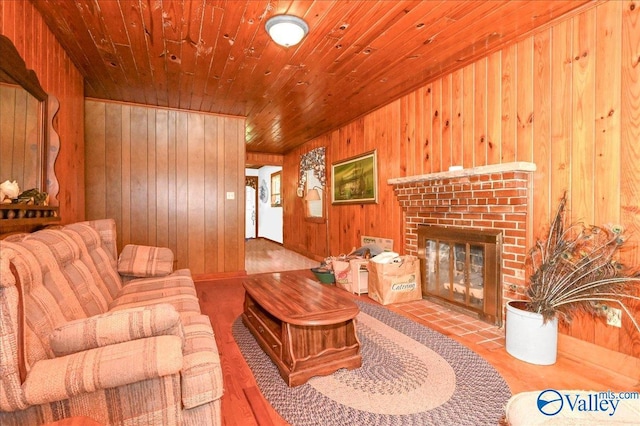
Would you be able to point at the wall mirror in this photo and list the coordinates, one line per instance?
(314, 197)
(312, 185)
(28, 143)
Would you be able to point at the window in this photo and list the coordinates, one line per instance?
(276, 199)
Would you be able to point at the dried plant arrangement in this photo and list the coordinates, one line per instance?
(575, 269)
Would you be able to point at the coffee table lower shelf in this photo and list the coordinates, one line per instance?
(303, 351)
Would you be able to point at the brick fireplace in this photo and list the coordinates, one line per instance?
(492, 198)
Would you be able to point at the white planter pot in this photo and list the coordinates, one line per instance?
(528, 338)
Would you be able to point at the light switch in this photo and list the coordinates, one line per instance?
(231, 195)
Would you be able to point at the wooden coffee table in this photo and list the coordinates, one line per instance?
(305, 327)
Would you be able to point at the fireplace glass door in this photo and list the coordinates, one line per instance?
(455, 272)
(462, 267)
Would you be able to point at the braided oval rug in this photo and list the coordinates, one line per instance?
(410, 375)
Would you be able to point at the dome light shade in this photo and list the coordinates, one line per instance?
(286, 30)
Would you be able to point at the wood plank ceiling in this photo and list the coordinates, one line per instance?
(215, 56)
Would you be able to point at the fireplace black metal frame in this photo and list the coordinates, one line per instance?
(491, 242)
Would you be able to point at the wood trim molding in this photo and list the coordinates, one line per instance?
(589, 353)
(218, 276)
(15, 67)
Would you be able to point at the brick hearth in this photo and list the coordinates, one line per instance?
(488, 197)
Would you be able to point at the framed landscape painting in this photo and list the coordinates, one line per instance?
(355, 180)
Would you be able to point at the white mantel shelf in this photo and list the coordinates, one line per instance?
(518, 166)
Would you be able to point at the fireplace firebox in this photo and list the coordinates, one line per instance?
(462, 266)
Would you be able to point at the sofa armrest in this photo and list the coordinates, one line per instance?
(202, 380)
(61, 378)
(145, 261)
(116, 327)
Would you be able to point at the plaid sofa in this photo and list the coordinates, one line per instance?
(84, 332)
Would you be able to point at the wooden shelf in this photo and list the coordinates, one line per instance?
(24, 214)
(518, 166)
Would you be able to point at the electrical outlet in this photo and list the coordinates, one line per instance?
(614, 316)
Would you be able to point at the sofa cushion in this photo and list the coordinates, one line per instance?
(75, 254)
(47, 304)
(106, 228)
(67, 270)
(65, 274)
(145, 261)
(115, 327)
(176, 289)
(97, 255)
(103, 368)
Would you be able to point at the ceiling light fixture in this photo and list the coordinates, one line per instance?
(286, 30)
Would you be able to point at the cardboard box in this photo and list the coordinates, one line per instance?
(386, 244)
(395, 282)
(353, 275)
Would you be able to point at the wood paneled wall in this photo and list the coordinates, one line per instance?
(42, 53)
(167, 178)
(566, 98)
(300, 235)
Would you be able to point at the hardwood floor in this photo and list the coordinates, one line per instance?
(262, 255)
(243, 404)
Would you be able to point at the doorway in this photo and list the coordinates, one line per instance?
(263, 216)
(251, 209)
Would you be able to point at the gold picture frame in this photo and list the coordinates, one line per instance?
(355, 180)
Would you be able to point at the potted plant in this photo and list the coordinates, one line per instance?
(573, 270)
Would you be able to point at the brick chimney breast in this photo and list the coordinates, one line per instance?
(495, 197)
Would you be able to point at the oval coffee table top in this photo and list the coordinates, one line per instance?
(297, 299)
